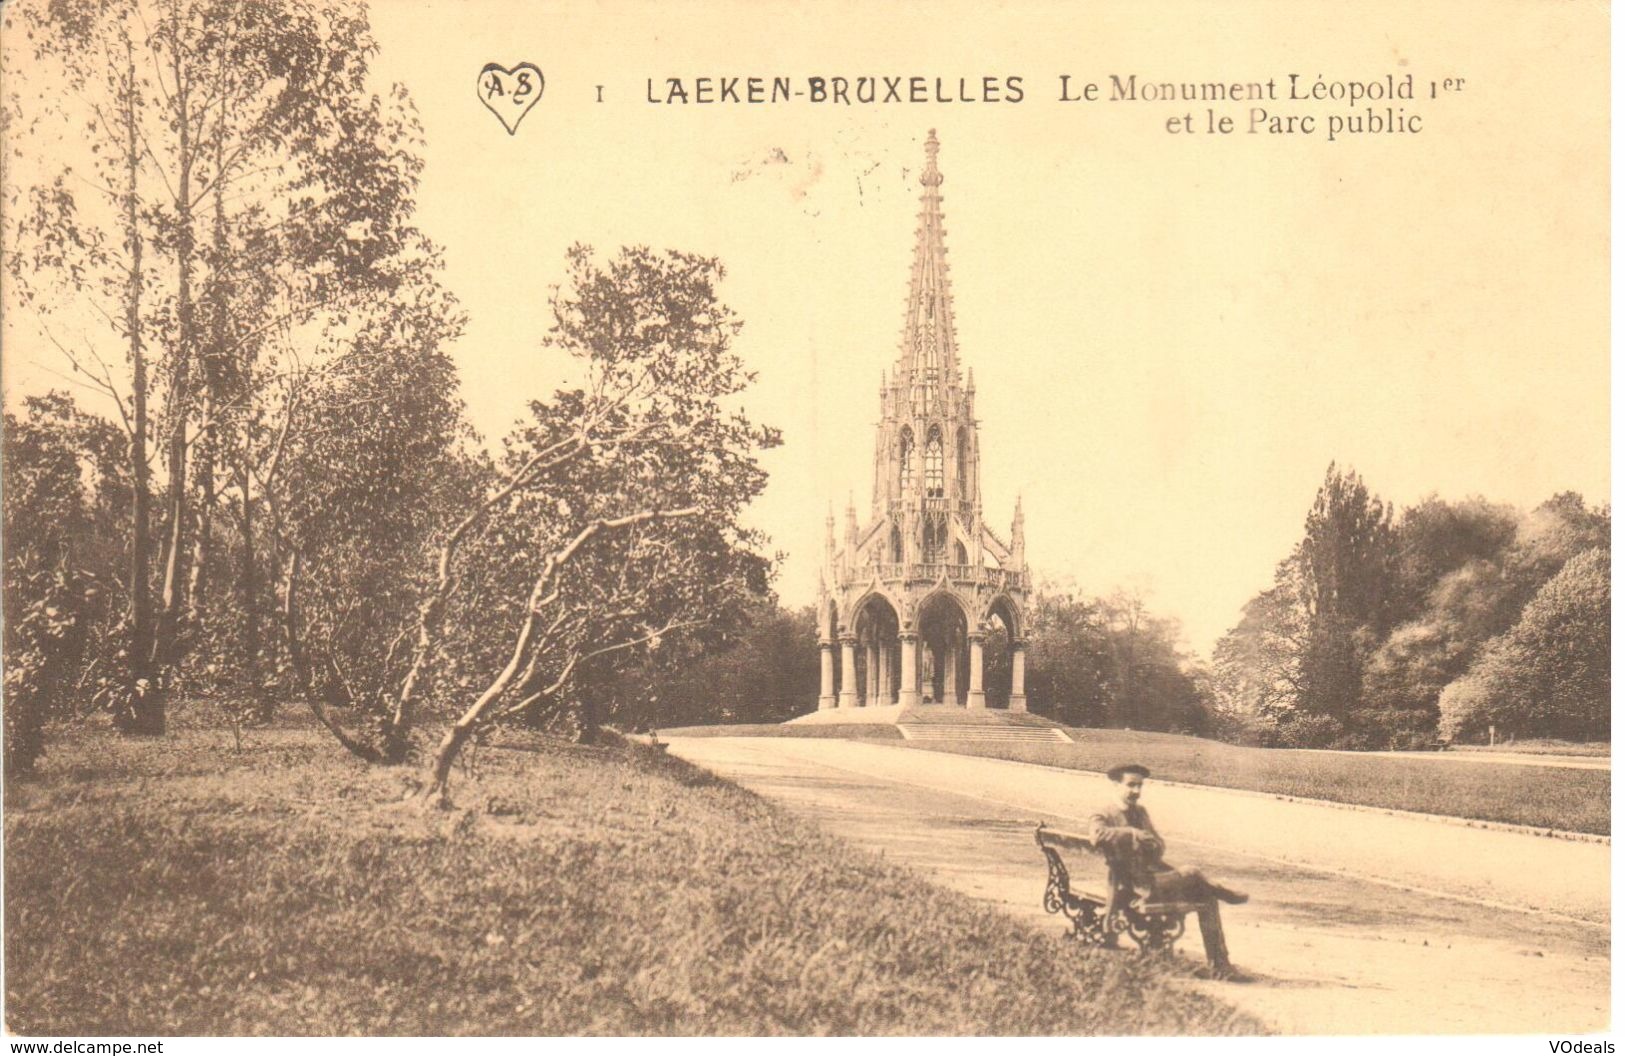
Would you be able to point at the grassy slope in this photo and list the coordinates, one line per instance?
(1572, 800)
(183, 887)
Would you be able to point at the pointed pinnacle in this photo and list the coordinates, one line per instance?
(931, 177)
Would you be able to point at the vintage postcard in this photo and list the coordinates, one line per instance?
(714, 519)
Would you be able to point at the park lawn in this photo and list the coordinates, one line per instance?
(1541, 746)
(188, 886)
(1569, 800)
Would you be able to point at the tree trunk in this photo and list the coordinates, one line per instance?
(437, 792)
(141, 710)
(166, 650)
(215, 398)
(261, 704)
(432, 612)
(301, 666)
(203, 488)
(587, 725)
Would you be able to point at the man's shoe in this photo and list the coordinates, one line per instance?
(1225, 894)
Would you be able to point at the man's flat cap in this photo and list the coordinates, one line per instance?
(1116, 773)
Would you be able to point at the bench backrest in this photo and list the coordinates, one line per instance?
(1052, 841)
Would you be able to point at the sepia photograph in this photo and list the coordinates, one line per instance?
(931, 519)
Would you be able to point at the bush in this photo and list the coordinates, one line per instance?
(1235, 727)
(45, 642)
(1308, 731)
(1548, 676)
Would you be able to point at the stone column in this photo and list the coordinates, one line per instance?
(974, 697)
(849, 671)
(885, 674)
(908, 693)
(1018, 674)
(871, 663)
(950, 674)
(826, 674)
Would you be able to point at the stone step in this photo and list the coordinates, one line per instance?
(966, 732)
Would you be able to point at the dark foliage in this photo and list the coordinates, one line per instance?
(62, 489)
(1370, 629)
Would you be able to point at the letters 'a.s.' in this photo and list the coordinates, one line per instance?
(510, 94)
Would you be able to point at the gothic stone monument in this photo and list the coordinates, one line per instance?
(909, 600)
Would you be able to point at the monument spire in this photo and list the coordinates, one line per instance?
(929, 360)
(910, 594)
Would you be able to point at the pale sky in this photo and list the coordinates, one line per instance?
(1172, 334)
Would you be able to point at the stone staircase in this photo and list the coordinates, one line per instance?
(945, 731)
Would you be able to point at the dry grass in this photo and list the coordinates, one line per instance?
(1570, 800)
(183, 887)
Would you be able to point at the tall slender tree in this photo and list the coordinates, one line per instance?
(226, 170)
(1344, 566)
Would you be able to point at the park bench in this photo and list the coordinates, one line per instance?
(1100, 915)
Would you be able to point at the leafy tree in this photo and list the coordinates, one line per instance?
(1345, 567)
(1486, 563)
(1301, 647)
(1346, 556)
(1373, 661)
(751, 664)
(1555, 532)
(1399, 705)
(1548, 676)
(369, 462)
(608, 527)
(1111, 662)
(74, 254)
(237, 184)
(1069, 664)
(56, 572)
(1150, 687)
(1436, 537)
(1257, 663)
(623, 495)
(44, 505)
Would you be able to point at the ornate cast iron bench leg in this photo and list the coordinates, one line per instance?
(1155, 928)
(1087, 916)
(1090, 926)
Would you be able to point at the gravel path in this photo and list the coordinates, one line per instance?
(1360, 922)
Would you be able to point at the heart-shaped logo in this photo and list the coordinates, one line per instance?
(510, 94)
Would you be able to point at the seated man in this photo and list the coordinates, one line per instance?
(1122, 831)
